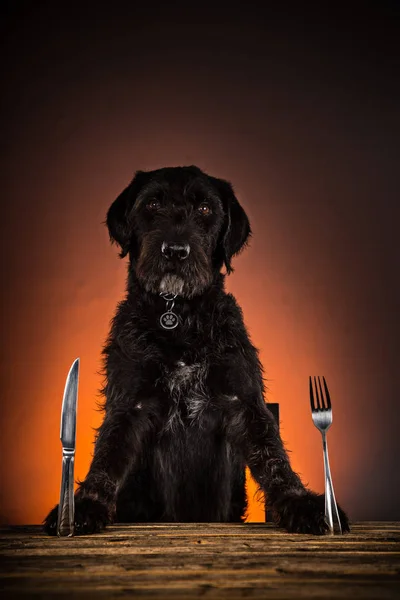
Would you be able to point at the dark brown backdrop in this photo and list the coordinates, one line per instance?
(301, 113)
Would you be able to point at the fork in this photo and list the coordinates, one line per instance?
(321, 410)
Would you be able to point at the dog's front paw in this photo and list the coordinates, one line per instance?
(305, 513)
(91, 516)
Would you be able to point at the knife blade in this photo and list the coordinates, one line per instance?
(66, 507)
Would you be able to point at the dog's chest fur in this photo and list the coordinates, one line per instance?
(187, 393)
(190, 451)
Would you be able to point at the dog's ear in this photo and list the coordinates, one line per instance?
(119, 214)
(236, 231)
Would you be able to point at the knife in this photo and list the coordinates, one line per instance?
(66, 507)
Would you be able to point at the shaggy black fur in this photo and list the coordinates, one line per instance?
(184, 408)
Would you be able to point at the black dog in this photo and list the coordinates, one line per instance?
(184, 405)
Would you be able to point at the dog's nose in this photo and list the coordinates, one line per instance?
(173, 250)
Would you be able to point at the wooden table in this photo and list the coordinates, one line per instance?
(254, 560)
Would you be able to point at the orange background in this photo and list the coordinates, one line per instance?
(308, 141)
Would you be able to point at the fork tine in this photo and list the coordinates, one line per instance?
(323, 407)
(319, 401)
(311, 395)
(328, 398)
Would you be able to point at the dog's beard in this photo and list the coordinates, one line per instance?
(172, 284)
(186, 278)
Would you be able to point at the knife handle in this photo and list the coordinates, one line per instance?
(66, 507)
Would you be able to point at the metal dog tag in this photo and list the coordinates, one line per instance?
(169, 320)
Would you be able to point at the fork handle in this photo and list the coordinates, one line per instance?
(331, 510)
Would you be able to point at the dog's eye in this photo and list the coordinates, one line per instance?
(204, 209)
(153, 205)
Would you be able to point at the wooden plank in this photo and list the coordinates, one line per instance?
(209, 559)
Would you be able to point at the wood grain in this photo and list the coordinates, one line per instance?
(253, 560)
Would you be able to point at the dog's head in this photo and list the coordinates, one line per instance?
(178, 226)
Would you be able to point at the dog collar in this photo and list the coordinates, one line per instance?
(169, 319)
